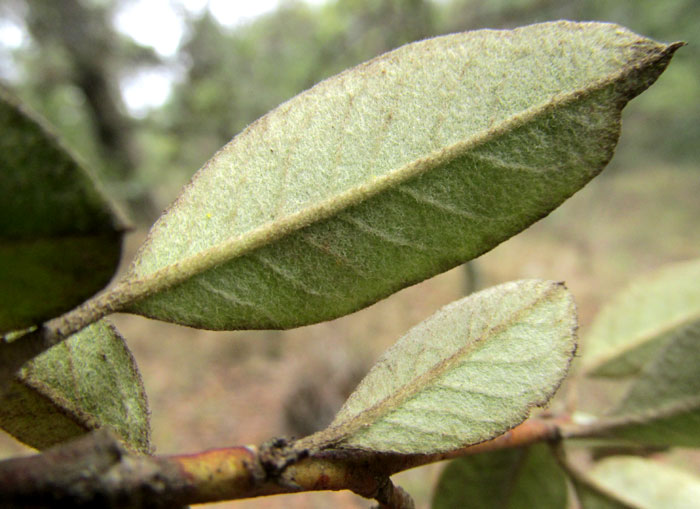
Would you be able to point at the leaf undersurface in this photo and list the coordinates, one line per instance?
(467, 374)
(86, 382)
(646, 484)
(509, 479)
(662, 406)
(629, 332)
(593, 496)
(60, 238)
(390, 173)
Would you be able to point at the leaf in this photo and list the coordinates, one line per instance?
(467, 374)
(594, 497)
(647, 484)
(86, 382)
(591, 495)
(662, 407)
(508, 479)
(60, 239)
(390, 173)
(634, 327)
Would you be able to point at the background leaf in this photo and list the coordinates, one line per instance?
(86, 382)
(591, 496)
(465, 375)
(646, 484)
(508, 479)
(390, 173)
(662, 407)
(60, 239)
(629, 332)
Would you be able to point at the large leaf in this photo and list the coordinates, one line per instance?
(646, 484)
(60, 239)
(86, 382)
(509, 479)
(628, 333)
(662, 407)
(467, 374)
(390, 173)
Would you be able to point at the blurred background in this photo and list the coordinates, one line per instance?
(145, 91)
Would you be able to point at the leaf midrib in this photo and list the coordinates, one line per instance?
(414, 386)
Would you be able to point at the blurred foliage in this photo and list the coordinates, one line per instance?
(231, 76)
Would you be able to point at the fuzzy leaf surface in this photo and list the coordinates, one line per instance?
(60, 239)
(465, 375)
(629, 332)
(662, 406)
(508, 479)
(646, 484)
(86, 382)
(390, 173)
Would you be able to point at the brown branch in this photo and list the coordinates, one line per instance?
(96, 469)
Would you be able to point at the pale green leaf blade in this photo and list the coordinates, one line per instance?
(86, 382)
(467, 374)
(591, 496)
(508, 479)
(390, 173)
(629, 332)
(647, 484)
(60, 239)
(662, 407)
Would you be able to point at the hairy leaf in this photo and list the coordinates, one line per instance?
(509, 479)
(629, 333)
(86, 382)
(646, 484)
(390, 173)
(662, 407)
(60, 239)
(467, 374)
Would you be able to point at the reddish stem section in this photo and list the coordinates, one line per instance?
(96, 469)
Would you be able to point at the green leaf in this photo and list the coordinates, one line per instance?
(467, 374)
(591, 495)
(634, 327)
(646, 484)
(390, 173)
(60, 239)
(595, 497)
(662, 407)
(509, 479)
(86, 382)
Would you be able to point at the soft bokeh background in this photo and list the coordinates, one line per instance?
(146, 91)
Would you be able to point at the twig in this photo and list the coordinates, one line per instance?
(393, 497)
(98, 470)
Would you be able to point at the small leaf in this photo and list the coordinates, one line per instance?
(391, 173)
(508, 479)
(467, 374)
(646, 484)
(60, 239)
(86, 382)
(662, 407)
(630, 331)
